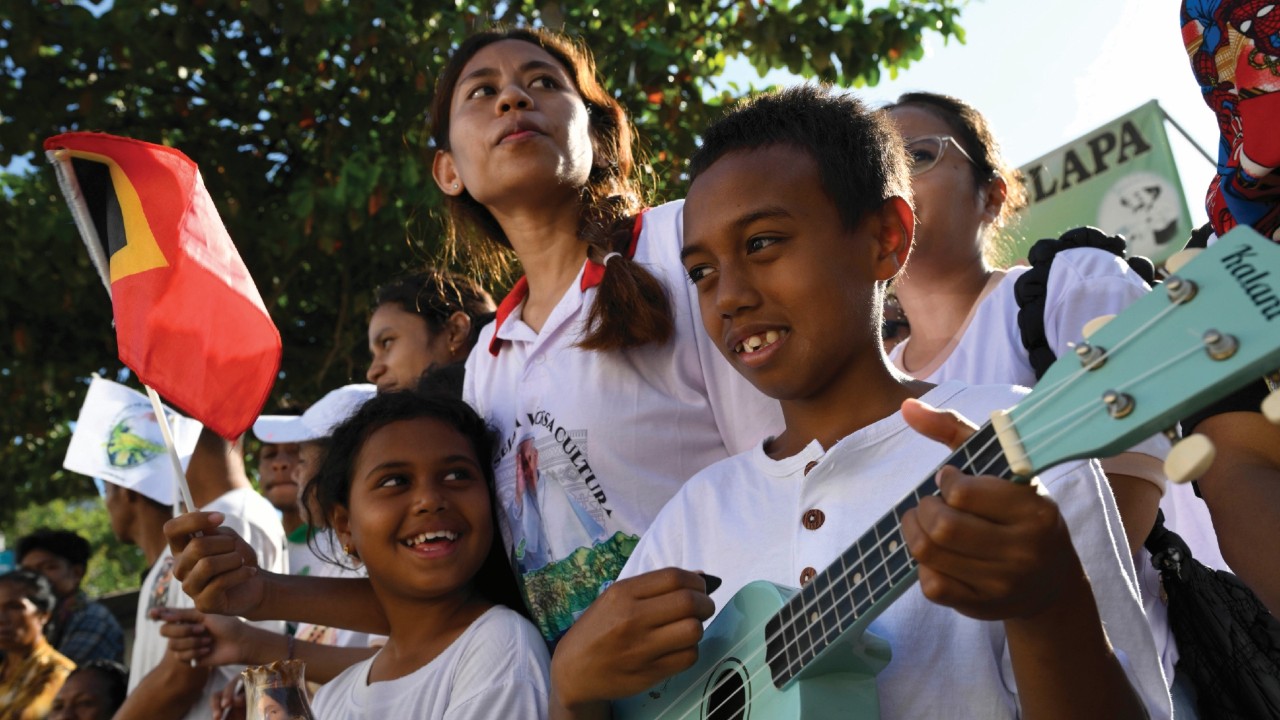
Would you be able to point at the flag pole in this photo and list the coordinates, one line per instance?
(163, 419)
(61, 160)
(1169, 118)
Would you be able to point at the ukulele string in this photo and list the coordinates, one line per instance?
(1073, 418)
(1052, 391)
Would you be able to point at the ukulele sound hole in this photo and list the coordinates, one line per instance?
(726, 696)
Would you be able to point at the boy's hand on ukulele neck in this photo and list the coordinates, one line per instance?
(989, 548)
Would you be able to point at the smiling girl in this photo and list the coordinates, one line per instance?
(420, 517)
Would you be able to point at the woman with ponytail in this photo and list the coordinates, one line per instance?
(605, 391)
(597, 374)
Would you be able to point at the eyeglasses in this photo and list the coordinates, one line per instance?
(924, 152)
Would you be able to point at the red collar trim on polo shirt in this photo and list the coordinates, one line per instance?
(592, 275)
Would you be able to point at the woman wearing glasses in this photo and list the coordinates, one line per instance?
(962, 306)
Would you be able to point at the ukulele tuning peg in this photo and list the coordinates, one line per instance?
(1189, 458)
(1271, 407)
(1180, 258)
(1095, 324)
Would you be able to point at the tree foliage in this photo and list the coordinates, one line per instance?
(308, 119)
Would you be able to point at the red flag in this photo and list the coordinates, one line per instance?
(189, 320)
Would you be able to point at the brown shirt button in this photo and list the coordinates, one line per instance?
(813, 519)
(812, 464)
(806, 575)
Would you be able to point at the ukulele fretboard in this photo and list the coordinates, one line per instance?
(868, 573)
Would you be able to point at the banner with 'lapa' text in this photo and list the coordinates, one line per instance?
(1120, 178)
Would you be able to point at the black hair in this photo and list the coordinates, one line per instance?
(444, 380)
(65, 544)
(331, 487)
(860, 157)
(114, 678)
(36, 587)
(631, 308)
(435, 295)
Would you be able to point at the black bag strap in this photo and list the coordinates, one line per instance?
(1161, 541)
(1032, 289)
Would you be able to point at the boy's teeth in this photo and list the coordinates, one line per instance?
(424, 537)
(755, 342)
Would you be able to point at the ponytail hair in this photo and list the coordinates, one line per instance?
(631, 307)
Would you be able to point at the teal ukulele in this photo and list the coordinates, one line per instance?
(774, 652)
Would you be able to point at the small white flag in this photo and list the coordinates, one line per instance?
(118, 439)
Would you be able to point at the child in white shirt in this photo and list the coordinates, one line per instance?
(797, 216)
(407, 485)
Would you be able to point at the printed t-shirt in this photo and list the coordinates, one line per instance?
(253, 518)
(497, 668)
(748, 518)
(593, 444)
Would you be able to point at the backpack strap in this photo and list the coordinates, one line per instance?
(1032, 289)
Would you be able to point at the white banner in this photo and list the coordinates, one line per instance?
(117, 438)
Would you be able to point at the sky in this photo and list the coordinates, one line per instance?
(1045, 72)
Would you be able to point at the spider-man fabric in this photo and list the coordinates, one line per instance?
(1234, 46)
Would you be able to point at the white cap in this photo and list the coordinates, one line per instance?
(319, 420)
(117, 439)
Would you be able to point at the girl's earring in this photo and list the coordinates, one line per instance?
(349, 550)
(455, 186)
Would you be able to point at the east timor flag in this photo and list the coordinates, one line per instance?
(189, 320)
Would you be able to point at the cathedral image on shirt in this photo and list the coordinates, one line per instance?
(557, 531)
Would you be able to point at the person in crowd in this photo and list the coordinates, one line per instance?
(31, 671)
(1233, 55)
(798, 213)
(308, 433)
(424, 321)
(276, 461)
(964, 309)
(596, 358)
(967, 315)
(420, 516)
(80, 629)
(93, 691)
(160, 684)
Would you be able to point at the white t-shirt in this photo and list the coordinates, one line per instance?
(593, 444)
(497, 668)
(253, 518)
(1084, 283)
(744, 519)
(322, 565)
